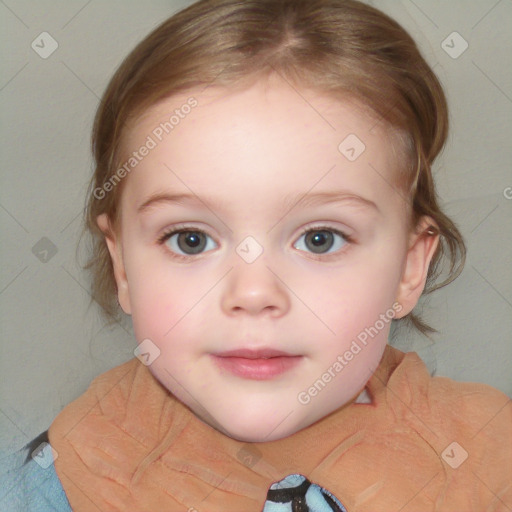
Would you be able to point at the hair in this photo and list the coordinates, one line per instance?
(341, 48)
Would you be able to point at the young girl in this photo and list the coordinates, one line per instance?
(263, 207)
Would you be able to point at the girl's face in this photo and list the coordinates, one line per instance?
(267, 222)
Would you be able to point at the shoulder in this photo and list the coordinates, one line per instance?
(475, 413)
(102, 436)
(467, 425)
(473, 421)
(465, 407)
(112, 386)
(468, 406)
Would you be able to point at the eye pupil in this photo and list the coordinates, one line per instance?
(191, 242)
(319, 239)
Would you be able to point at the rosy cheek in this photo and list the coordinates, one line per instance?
(154, 310)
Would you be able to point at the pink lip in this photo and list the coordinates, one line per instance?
(256, 364)
(246, 353)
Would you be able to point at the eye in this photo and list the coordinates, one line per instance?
(321, 241)
(188, 242)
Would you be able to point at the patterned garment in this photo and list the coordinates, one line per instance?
(296, 493)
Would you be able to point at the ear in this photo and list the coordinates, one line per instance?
(115, 250)
(423, 243)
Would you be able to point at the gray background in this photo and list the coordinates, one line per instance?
(53, 345)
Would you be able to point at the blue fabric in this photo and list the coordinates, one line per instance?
(30, 486)
(296, 492)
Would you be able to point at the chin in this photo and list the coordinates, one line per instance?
(254, 434)
(258, 429)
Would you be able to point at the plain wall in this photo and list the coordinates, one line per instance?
(53, 344)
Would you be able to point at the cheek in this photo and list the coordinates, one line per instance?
(352, 299)
(159, 297)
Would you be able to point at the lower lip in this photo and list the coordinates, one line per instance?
(257, 369)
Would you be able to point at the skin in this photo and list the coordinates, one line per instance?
(240, 154)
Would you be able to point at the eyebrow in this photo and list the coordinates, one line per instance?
(321, 198)
(289, 202)
(163, 197)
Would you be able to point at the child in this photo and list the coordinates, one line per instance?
(263, 207)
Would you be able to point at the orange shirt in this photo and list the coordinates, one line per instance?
(423, 444)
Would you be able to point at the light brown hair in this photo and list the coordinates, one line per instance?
(343, 48)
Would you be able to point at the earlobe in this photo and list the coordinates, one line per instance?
(422, 247)
(115, 250)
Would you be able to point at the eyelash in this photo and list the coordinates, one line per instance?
(184, 229)
(323, 257)
(174, 231)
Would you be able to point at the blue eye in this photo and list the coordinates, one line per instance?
(321, 241)
(187, 242)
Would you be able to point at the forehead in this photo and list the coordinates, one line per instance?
(269, 138)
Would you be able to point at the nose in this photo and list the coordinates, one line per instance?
(254, 290)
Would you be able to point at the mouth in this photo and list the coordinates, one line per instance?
(261, 364)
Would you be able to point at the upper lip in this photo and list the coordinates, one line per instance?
(264, 353)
